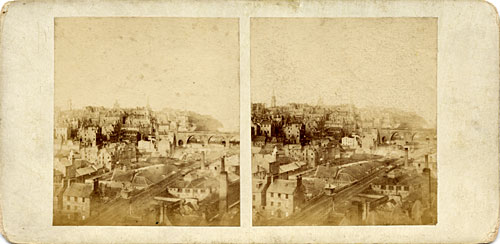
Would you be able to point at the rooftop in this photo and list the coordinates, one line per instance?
(78, 190)
(283, 186)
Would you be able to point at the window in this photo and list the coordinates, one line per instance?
(83, 199)
(272, 194)
(67, 207)
(286, 196)
(272, 203)
(279, 204)
(279, 195)
(75, 207)
(67, 198)
(253, 197)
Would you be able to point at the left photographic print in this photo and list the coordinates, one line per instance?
(146, 121)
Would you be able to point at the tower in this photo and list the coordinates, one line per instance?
(273, 100)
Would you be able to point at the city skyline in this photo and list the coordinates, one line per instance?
(168, 61)
(363, 61)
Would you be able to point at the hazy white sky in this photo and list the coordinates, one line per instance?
(181, 63)
(388, 62)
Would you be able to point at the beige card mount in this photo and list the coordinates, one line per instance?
(249, 122)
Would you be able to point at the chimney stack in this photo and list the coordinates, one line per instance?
(96, 184)
(274, 170)
(406, 156)
(299, 181)
(426, 160)
(223, 164)
(222, 189)
(203, 159)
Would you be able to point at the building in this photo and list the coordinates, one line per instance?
(284, 197)
(88, 136)
(259, 189)
(293, 151)
(90, 154)
(105, 158)
(62, 133)
(310, 156)
(145, 146)
(163, 147)
(293, 132)
(266, 129)
(76, 201)
(259, 141)
(350, 142)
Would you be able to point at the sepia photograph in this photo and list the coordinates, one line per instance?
(343, 121)
(146, 123)
(256, 121)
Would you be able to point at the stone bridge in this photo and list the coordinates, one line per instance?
(408, 135)
(205, 137)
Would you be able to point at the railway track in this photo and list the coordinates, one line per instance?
(317, 211)
(114, 212)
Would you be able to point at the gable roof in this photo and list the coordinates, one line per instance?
(85, 171)
(78, 190)
(283, 186)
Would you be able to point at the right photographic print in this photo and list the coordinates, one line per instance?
(343, 121)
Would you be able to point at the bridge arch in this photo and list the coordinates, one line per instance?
(217, 139)
(383, 139)
(395, 135)
(195, 139)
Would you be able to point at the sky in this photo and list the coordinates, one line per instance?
(181, 63)
(385, 62)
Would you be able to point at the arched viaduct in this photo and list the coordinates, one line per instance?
(204, 137)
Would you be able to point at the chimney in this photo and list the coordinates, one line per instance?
(96, 184)
(299, 181)
(426, 186)
(222, 190)
(366, 212)
(223, 164)
(426, 160)
(203, 156)
(406, 156)
(274, 170)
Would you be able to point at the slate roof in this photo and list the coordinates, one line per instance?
(122, 176)
(291, 166)
(85, 171)
(283, 186)
(78, 190)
